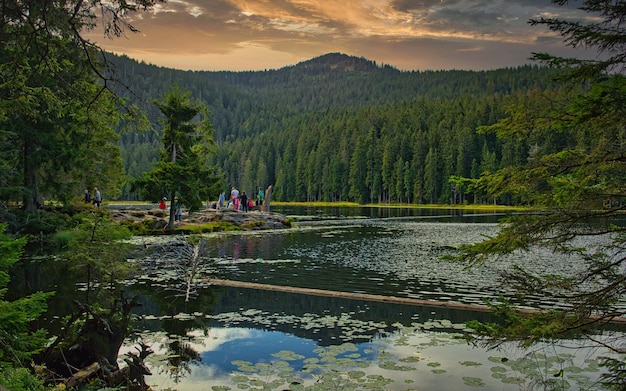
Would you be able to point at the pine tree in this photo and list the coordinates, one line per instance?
(183, 168)
(578, 180)
(56, 117)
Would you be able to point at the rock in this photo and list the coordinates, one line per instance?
(253, 220)
(246, 220)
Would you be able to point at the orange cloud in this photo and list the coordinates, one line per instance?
(267, 34)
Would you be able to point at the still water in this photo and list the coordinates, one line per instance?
(236, 338)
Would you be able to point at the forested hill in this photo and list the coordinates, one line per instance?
(259, 117)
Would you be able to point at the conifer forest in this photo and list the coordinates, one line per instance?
(342, 128)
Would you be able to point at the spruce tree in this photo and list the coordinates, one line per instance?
(578, 182)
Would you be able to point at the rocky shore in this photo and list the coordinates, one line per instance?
(253, 220)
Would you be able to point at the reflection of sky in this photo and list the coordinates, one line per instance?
(435, 360)
(222, 346)
(256, 346)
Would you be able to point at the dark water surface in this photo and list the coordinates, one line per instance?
(311, 213)
(382, 257)
(234, 338)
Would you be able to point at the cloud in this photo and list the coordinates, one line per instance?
(409, 34)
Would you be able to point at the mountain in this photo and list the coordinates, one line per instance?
(339, 118)
(333, 80)
(338, 62)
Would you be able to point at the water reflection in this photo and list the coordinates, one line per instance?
(200, 342)
(265, 338)
(273, 306)
(382, 257)
(308, 213)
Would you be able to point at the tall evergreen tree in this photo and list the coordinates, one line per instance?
(56, 119)
(579, 183)
(183, 169)
(431, 176)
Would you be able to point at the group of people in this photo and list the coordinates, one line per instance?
(242, 201)
(178, 209)
(238, 200)
(94, 198)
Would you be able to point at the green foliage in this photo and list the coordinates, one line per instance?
(95, 252)
(57, 118)
(575, 175)
(20, 379)
(95, 246)
(59, 138)
(17, 342)
(615, 379)
(183, 169)
(605, 32)
(38, 222)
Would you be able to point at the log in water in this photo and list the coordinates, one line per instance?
(368, 297)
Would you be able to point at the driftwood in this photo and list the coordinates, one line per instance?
(82, 376)
(93, 352)
(132, 377)
(379, 298)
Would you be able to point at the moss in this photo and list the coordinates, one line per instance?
(207, 228)
(142, 227)
(159, 213)
(253, 224)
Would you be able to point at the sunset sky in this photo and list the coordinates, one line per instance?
(407, 34)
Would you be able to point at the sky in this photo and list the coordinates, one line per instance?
(251, 35)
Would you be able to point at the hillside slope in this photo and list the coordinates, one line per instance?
(273, 127)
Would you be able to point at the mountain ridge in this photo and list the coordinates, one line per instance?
(340, 61)
(327, 116)
(243, 103)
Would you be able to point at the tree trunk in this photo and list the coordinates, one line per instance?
(172, 195)
(170, 226)
(31, 198)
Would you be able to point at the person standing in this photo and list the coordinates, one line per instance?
(243, 199)
(97, 198)
(220, 201)
(178, 212)
(260, 197)
(87, 196)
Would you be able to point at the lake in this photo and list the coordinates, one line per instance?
(232, 338)
(239, 338)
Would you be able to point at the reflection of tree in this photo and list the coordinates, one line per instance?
(189, 267)
(176, 267)
(179, 359)
(184, 260)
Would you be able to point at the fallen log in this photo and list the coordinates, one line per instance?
(379, 298)
(82, 376)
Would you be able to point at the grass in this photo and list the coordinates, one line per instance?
(485, 207)
(341, 204)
